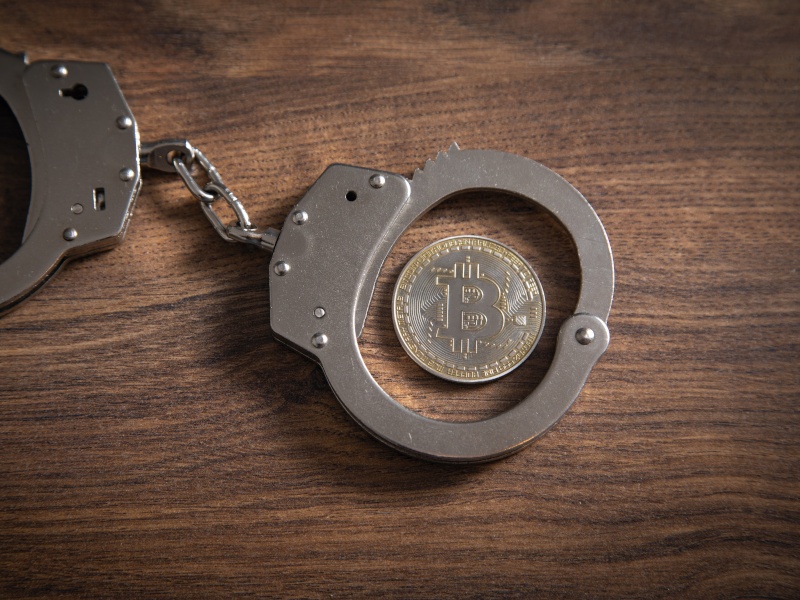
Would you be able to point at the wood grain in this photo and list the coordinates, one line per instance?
(155, 441)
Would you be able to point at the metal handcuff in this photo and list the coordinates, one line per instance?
(85, 158)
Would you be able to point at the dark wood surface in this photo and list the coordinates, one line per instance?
(155, 441)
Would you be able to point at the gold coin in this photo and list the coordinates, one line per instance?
(468, 309)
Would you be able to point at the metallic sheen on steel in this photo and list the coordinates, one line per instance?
(242, 230)
(178, 156)
(329, 270)
(468, 309)
(82, 154)
(68, 113)
(377, 181)
(584, 336)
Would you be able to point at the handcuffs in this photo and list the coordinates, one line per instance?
(86, 160)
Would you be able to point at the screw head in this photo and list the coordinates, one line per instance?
(59, 71)
(319, 340)
(126, 174)
(319, 312)
(585, 336)
(300, 217)
(282, 268)
(124, 122)
(70, 234)
(377, 181)
(77, 208)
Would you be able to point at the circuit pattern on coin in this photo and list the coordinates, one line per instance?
(468, 309)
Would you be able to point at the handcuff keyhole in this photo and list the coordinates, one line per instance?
(351, 196)
(99, 198)
(76, 92)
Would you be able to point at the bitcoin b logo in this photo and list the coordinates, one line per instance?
(468, 309)
(471, 312)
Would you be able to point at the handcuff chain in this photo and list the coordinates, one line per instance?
(178, 156)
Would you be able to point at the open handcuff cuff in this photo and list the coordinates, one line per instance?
(86, 161)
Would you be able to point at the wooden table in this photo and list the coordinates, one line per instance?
(155, 441)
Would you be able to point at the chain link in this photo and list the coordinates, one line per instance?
(178, 156)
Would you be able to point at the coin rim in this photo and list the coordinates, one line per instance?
(450, 377)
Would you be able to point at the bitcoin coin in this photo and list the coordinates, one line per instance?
(468, 309)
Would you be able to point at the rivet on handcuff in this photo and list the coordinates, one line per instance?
(85, 158)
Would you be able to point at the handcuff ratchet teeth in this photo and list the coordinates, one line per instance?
(85, 156)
